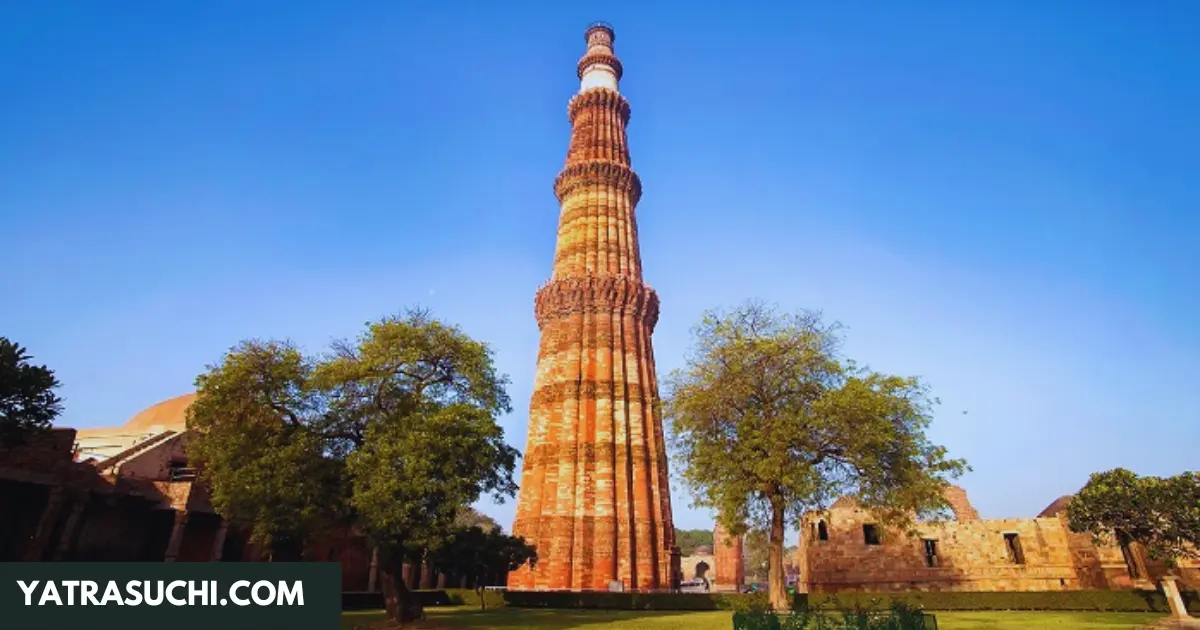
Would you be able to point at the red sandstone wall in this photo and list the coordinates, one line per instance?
(155, 462)
(42, 452)
(1187, 570)
(1104, 566)
(21, 506)
(349, 550)
(116, 530)
(960, 505)
(730, 569)
(1098, 567)
(972, 556)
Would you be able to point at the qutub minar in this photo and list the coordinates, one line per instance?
(595, 497)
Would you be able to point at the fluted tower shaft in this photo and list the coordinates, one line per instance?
(595, 496)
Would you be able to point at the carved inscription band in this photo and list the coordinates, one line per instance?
(601, 98)
(597, 58)
(596, 294)
(555, 394)
(598, 173)
(546, 455)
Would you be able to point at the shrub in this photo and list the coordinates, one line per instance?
(900, 617)
(468, 597)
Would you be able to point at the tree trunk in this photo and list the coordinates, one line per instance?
(286, 550)
(403, 605)
(776, 580)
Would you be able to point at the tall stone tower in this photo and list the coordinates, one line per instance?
(730, 561)
(594, 494)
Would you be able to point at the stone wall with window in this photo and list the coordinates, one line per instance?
(1109, 566)
(844, 549)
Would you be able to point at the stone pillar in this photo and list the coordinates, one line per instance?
(676, 569)
(426, 576)
(218, 547)
(66, 541)
(406, 574)
(1139, 557)
(36, 548)
(181, 518)
(1171, 590)
(373, 572)
(729, 572)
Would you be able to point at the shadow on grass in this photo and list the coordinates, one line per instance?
(1030, 620)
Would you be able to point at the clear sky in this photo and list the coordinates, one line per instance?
(1000, 197)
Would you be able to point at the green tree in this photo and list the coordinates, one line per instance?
(1162, 514)
(256, 432)
(28, 403)
(756, 551)
(769, 422)
(481, 557)
(394, 434)
(470, 517)
(690, 539)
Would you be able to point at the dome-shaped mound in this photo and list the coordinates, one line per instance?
(169, 414)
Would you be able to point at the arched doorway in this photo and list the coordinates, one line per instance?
(702, 570)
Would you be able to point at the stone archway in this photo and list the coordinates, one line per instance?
(702, 569)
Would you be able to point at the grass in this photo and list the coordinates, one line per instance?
(513, 618)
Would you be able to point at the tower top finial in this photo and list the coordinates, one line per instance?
(600, 26)
(599, 66)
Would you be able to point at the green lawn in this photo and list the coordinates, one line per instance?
(514, 618)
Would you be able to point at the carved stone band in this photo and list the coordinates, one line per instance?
(598, 172)
(606, 59)
(596, 294)
(598, 97)
(554, 395)
(586, 457)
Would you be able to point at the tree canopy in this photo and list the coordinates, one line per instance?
(769, 421)
(28, 402)
(470, 517)
(756, 553)
(394, 434)
(474, 554)
(1162, 514)
(690, 539)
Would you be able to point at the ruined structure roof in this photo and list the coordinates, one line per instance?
(168, 415)
(1056, 508)
(845, 501)
(956, 496)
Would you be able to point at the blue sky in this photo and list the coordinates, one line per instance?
(996, 196)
